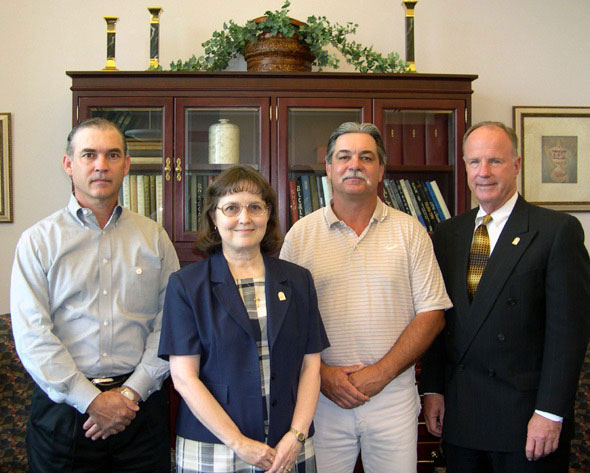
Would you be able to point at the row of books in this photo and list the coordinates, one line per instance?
(418, 139)
(307, 193)
(421, 199)
(142, 193)
(196, 184)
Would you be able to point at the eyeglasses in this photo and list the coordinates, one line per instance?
(255, 209)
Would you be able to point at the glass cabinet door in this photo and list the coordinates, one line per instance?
(301, 171)
(423, 149)
(215, 134)
(144, 188)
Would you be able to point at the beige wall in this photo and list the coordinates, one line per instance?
(529, 52)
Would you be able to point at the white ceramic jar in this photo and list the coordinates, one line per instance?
(224, 143)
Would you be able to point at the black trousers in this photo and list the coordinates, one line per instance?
(466, 460)
(56, 441)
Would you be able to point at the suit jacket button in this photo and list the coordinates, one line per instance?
(511, 301)
(491, 373)
(501, 337)
(274, 403)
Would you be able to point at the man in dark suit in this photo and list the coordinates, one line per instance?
(501, 378)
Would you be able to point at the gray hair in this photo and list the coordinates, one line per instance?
(354, 127)
(97, 122)
(491, 124)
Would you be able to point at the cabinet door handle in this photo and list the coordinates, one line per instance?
(168, 168)
(178, 169)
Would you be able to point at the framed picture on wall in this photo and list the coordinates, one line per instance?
(554, 144)
(5, 169)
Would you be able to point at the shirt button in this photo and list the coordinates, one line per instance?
(105, 292)
(105, 323)
(105, 261)
(105, 354)
(139, 271)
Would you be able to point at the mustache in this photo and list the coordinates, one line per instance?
(100, 177)
(354, 175)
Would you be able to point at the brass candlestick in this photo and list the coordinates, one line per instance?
(155, 37)
(110, 65)
(409, 8)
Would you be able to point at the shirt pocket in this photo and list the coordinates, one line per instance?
(142, 294)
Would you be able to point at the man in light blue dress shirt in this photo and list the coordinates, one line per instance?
(87, 292)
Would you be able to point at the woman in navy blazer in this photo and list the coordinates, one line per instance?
(243, 333)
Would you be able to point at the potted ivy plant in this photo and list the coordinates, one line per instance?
(310, 39)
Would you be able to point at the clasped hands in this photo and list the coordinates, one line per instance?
(109, 413)
(280, 459)
(351, 386)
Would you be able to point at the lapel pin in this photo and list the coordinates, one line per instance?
(515, 241)
(282, 296)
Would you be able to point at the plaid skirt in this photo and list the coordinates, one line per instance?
(202, 457)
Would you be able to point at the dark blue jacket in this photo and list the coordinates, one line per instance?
(204, 314)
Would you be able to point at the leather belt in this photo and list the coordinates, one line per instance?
(104, 384)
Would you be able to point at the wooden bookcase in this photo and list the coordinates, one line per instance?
(285, 120)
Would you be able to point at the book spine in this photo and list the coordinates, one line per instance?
(159, 200)
(321, 198)
(437, 139)
(402, 196)
(399, 205)
(386, 197)
(126, 193)
(414, 203)
(393, 143)
(313, 188)
(327, 187)
(387, 187)
(300, 210)
(201, 186)
(133, 192)
(441, 200)
(430, 207)
(293, 201)
(306, 191)
(428, 221)
(407, 200)
(141, 194)
(153, 204)
(434, 201)
(192, 207)
(413, 140)
(146, 194)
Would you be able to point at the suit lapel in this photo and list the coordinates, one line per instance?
(511, 245)
(278, 298)
(224, 288)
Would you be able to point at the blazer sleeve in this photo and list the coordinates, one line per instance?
(179, 329)
(567, 296)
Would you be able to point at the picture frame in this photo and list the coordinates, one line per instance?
(554, 143)
(5, 168)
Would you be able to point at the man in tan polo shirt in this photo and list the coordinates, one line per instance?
(382, 299)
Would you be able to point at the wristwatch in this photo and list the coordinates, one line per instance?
(300, 435)
(127, 392)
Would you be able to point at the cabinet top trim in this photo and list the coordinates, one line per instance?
(270, 82)
(290, 75)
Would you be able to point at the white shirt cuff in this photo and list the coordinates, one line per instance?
(549, 416)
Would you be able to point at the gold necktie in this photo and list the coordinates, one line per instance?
(478, 256)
